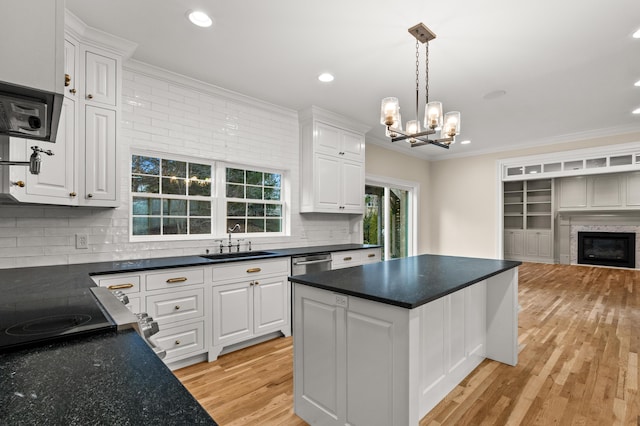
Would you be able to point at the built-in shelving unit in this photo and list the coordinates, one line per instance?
(528, 220)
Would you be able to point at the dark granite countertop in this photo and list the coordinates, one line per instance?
(103, 379)
(109, 378)
(408, 282)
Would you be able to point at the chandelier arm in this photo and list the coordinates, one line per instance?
(426, 73)
(417, 80)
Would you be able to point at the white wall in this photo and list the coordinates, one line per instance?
(392, 164)
(170, 113)
(463, 207)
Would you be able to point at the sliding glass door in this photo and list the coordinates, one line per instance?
(388, 219)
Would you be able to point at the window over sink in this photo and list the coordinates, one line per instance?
(175, 197)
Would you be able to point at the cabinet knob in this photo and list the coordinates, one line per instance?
(19, 183)
(341, 153)
(177, 307)
(89, 96)
(178, 342)
(256, 283)
(73, 91)
(67, 80)
(89, 195)
(72, 194)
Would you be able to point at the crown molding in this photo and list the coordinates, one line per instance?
(86, 34)
(181, 80)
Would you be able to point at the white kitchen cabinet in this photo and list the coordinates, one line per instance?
(181, 341)
(513, 243)
(101, 76)
(127, 283)
(348, 258)
(332, 163)
(334, 141)
(83, 170)
(250, 299)
(347, 351)
(100, 168)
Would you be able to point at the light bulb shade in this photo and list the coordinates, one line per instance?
(397, 125)
(433, 115)
(413, 127)
(389, 111)
(451, 125)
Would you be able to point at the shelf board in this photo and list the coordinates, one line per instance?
(541, 214)
(514, 204)
(538, 202)
(514, 214)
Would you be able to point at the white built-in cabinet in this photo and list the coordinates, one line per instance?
(331, 163)
(83, 169)
(616, 191)
(528, 215)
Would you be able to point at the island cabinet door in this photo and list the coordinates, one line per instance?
(350, 360)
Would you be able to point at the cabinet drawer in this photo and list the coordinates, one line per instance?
(125, 283)
(250, 269)
(175, 278)
(345, 259)
(134, 305)
(371, 255)
(176, 306)
(181, 340)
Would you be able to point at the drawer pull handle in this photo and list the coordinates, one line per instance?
(372, 255)
(119, 286)
(177, 342)
(347, 258)
(177, 307)
(252, 270)
(176, 280)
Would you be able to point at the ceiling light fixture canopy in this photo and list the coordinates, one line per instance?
(449, 124)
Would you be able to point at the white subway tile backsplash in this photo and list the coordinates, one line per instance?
(163, 116)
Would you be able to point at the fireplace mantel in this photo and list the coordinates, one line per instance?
(570, 223)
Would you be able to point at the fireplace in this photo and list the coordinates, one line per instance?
(607, 248)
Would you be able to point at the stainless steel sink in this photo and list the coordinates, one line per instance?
(235, 255)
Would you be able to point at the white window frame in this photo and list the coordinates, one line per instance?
(218, 198)
(222, 198)
(414, 196)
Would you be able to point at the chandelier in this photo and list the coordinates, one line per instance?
(449, 125)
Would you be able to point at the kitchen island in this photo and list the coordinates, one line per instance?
(382, 344)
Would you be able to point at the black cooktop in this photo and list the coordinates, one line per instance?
(35, 319)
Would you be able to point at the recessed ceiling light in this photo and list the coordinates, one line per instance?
(199, 18)
(636, 111)
(325, 77)
(637, 83)
(636, 34)
(467, 142)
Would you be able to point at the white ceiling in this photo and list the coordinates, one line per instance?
(568, 66)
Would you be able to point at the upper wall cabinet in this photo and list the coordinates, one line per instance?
(616, 191)
(83, 169)
(331, 163)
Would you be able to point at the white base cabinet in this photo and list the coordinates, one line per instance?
(359, 362)
(249, 299)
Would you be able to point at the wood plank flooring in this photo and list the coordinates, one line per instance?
(579, 335)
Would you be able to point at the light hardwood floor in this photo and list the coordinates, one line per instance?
(579, 334)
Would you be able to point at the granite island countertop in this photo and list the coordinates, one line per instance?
(99, 379)
(407, 282)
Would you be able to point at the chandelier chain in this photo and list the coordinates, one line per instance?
(417, 78)
(426, 72)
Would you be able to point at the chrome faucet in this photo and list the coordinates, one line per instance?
(235, 227)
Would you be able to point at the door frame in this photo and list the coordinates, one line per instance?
(414, 197)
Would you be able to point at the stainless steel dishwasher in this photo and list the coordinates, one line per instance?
(310, 263)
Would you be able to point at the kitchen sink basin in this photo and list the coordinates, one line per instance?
(236, 255)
